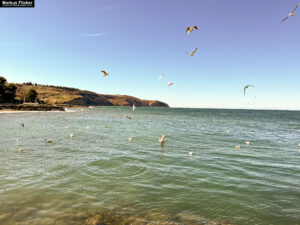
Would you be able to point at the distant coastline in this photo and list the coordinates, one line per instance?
(55, 98)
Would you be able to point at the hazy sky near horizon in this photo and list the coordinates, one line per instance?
(239, 42)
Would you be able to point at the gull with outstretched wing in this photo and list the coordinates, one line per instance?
(247, 87)
(105, 73)
(192, 53)
(291, 14)
(190, 29)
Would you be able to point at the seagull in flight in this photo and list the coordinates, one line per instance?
(192, 53)
(160, 77)
(247, 87)
(105, 73)
(190, 29)
(252, 101)
(291, 14)
(170, 83)
(128, 117)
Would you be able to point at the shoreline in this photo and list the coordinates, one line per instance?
(29, 108)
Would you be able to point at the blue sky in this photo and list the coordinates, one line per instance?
(239, 42)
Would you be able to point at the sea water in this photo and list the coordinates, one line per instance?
(100, 175)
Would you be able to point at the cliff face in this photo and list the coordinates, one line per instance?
(74, 97)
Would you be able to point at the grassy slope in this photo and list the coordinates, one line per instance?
(70, 96)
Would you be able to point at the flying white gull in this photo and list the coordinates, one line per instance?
(252, 101)
(291, 14)
(190, 29)
(161, 76)
(170, 83)
(105, 73)
(247, 87)
(192, 53)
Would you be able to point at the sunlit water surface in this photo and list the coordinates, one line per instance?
(71, 181)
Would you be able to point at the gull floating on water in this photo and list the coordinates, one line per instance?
(190, 29)
(130, 139)
(237, 147)
(20, 149)
(247, 87)
(170, 83)
(160, 77)
(133, 107)
(72, 135)
(97, 141)
(128, 117)
(17, 139)
(66, 127)
(162, 139)
(105, 126)
(192, 53)
(21, 124)
(299, 144)
(105, 73)
(291, 14)
(191, 153)
(49, 140)
(248, 142)
(227, 131)
(87, 127)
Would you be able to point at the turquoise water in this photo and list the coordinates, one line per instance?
(71, 180)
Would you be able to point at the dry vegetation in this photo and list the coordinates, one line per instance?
(74, 97)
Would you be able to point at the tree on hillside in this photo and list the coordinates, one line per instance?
(2, 87)
(31, 95)
(7, 91)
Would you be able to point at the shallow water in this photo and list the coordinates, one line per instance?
(71, 181)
